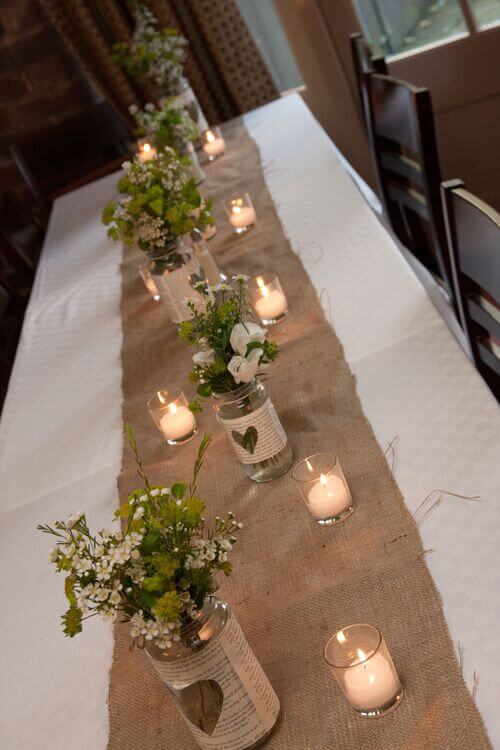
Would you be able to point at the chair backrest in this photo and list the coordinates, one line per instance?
(473, 233)
(51, 162)
(403, 143)
(364, 63)
(19, 229)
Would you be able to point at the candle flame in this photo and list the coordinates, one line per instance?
(210, 136)
(161, 398)
(146, 147)
(262, 286)
(341, 637)
(322, 479)
(172, 409)
(236, 209)
(361, 654)
(310, 468)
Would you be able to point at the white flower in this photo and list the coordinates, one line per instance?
(74, 518)
(102, 595)
(243, 334)
(53, 554)
(139, 513)
(204, 357)
(244, 369)
(105, 533)
(133, 109)
(99, 550)
(115, 598)
(155, 493)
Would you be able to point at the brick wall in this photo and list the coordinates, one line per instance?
(40, 85)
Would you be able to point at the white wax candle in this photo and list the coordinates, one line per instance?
(371, 683)
(271, 305)
(328, 497)
(177, 422)
(242, 216)
(146, 152)
(214, 144)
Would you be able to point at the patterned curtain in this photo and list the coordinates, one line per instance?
(225, 68)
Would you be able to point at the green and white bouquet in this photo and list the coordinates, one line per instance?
(171, 126)
(154, 567)
(233, 348)
(160, 204)
(153, 56)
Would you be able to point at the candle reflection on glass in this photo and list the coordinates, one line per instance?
(170, 412)
(268, 298)
(149, 283)
(241, 213)
(360, 661)
(323, 487)
(213, 143)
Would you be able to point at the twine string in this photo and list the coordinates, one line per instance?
(437, 496)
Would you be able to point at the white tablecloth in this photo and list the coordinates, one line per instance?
(61, 443)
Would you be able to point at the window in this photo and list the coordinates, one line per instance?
(486, 12)
(398, 26)
(267, 31)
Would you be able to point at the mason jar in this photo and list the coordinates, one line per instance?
(188, 99)
(216, 681)
(255, 432)
(175, 270)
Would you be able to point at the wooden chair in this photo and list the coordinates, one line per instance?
(19, 229)
(403, 145)
(473, 233)
(365, 63)
(73, 153)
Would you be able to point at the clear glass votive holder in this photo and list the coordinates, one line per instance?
(149, 282)
(241, 212)
(360, 661)
(170, 412)
(268, 298)
(213, 143)
(322, 484)
(145, 150)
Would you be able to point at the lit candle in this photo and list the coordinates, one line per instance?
(214, 145)
(178, 422)
(241, 216)
(372, 682)
(328, 497)
(146, 152)
(272, 304)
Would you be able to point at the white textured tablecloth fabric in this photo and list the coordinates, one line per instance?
(413, 378)
(60, 450)
(61, 441)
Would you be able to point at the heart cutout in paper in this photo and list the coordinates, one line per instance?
(201, 704)
(248, 441)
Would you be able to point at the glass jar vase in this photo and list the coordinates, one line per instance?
(254, 430)
(216, 681)
(188, 99)
(175, 270)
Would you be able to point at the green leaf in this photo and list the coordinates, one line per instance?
(72, 621)
(69, 590)
(177, 490)
(204, 390)
(195, 407)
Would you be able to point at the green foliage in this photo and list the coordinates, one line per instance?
(72, 621)
(153, 57)
(168, 127)
(161, 203)
(156, 569)
(211, 327)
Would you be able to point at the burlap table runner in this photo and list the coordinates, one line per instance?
(294, 583)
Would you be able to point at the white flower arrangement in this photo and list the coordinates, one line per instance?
(233, 348)
(156, 57)
(168, 127)
(155, 570)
